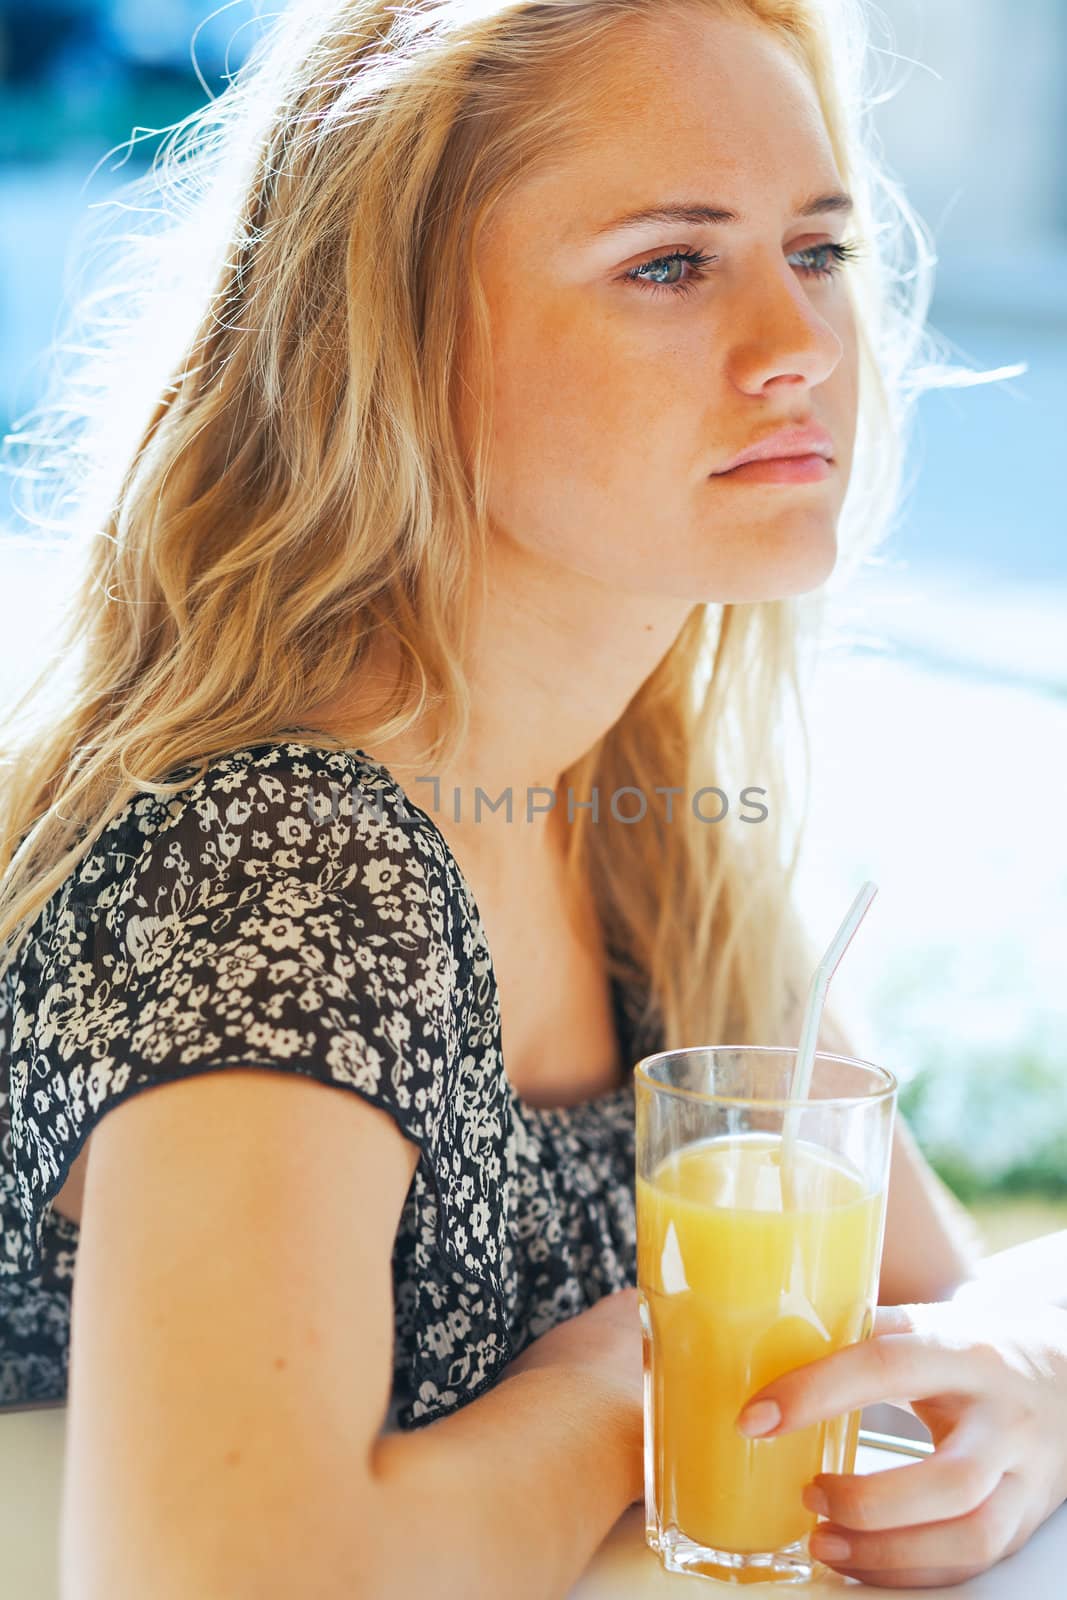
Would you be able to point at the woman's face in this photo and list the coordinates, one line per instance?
(624, 382)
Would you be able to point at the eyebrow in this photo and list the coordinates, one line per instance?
(695, 214)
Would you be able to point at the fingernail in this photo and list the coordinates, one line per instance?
(829, 1546)
(760, 1418)
(816, 1501)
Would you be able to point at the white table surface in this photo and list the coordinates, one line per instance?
(624, 1568)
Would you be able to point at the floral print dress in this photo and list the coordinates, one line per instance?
(292, 910)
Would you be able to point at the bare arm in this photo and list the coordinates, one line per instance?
(231, 1364)
(511, 1495)
(931, 1244)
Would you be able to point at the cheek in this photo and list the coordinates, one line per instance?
(553, 388)
(844, 392)
(576, 406)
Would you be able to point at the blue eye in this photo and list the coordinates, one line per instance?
(694, 259)
(839, 254)
(696, 262)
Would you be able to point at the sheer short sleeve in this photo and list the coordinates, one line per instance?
(283, 911)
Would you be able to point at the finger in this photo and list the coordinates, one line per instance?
(960, 1475)
(893, 1364)
(931, 1552)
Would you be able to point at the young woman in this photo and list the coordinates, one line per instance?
(437, 505)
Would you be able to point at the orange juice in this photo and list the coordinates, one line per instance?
(738, 1288)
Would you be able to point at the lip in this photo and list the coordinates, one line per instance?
(780, 469)
(799, 440)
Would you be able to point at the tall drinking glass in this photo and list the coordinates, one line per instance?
(745, 1271)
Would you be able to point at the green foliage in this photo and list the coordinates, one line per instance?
(990, 1124)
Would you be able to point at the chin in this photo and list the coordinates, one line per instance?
(779, 575)
(805, 559)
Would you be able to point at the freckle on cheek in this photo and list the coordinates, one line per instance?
(280, 1363)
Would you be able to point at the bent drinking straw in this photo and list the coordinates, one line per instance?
(809, 1032)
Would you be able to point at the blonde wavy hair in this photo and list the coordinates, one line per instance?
(268, 470)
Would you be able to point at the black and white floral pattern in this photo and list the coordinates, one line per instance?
(292, 910)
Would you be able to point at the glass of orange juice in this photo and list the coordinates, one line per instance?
(753, 1257)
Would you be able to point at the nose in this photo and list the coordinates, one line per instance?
(780, 336)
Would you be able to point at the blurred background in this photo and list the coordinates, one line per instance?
(939, 710)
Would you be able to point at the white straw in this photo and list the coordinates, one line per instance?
(809, 1032)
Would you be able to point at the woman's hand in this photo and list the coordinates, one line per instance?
(992, 1389)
